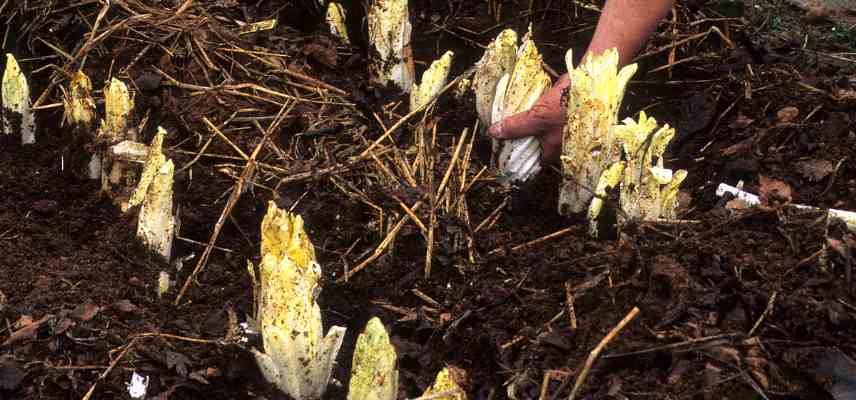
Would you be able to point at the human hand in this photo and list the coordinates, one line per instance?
(545, 120)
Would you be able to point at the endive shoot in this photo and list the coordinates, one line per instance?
(497, 61)
(17, 114)
(648, 191)
(374, 373)
(78, 103)
(131, 151)
(516, 92)
(79, 112)
(389, 33)
(433, 81)
(446, 383)
(609, 178)
(297, 358)
(118, 105)
(589, 145)
(336, 21)
(156, 223)
(154, 160)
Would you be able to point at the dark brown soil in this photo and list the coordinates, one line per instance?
(747, 298)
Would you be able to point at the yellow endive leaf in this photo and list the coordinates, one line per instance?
(297, 358)
(389, 34)
(447, 384)
(433, 81)
(336, 21)
(497, 61)
(374, 371)
(589, 144)
(79, 105)
(17, 118)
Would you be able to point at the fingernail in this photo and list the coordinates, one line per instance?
(496, 130)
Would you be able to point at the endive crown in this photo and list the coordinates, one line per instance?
(446, 383)
(648, 191)
(497, 61)
(589, 145)
(389, 32)
(374, 374)
(79, 105)
(118, 106)
(336, 21)
(17, 116)
(516, 92)
(433, 80)
(154, 160)
(297, 357)
(609, 179)
(156, 223)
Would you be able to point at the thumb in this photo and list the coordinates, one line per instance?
(526, 123)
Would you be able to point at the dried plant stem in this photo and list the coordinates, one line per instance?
(381, 247)
(764, 314)
(536, 241)
(237, 190)
(413, 113)
(597, 350)
(109, 369)
(569, 299)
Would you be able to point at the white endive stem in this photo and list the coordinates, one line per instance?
(17, 115)
(849, 217)
(156, 224)
(296, 358)
(589, 144)
(389, 33)
(95, 165)
(520, 159)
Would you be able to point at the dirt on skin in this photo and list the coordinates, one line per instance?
(733, 301)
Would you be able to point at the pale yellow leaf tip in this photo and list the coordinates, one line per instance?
(374, 373)
(447, 383)
(433, 81)
(118, 105)
(17, 116)
(79, 105)
(336, 21)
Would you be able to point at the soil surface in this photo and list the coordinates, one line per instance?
(734, 301)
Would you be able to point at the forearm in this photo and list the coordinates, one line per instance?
(627, 25)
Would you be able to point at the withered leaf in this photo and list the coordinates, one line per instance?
(772, 190)
(62, 326)
(742, 147)
(177, 361)
(741, 122)
(788, 114)
(815, 170)
(737, 204)
(27, 332)
(85, 312)
(124, 306)
(323, 53)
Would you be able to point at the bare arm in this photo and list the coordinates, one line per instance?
(623, 24)
(627, 25)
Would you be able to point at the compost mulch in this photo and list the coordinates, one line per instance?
(734, 301)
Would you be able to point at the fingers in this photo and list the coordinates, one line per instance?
(527, 123)
(551, 146)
